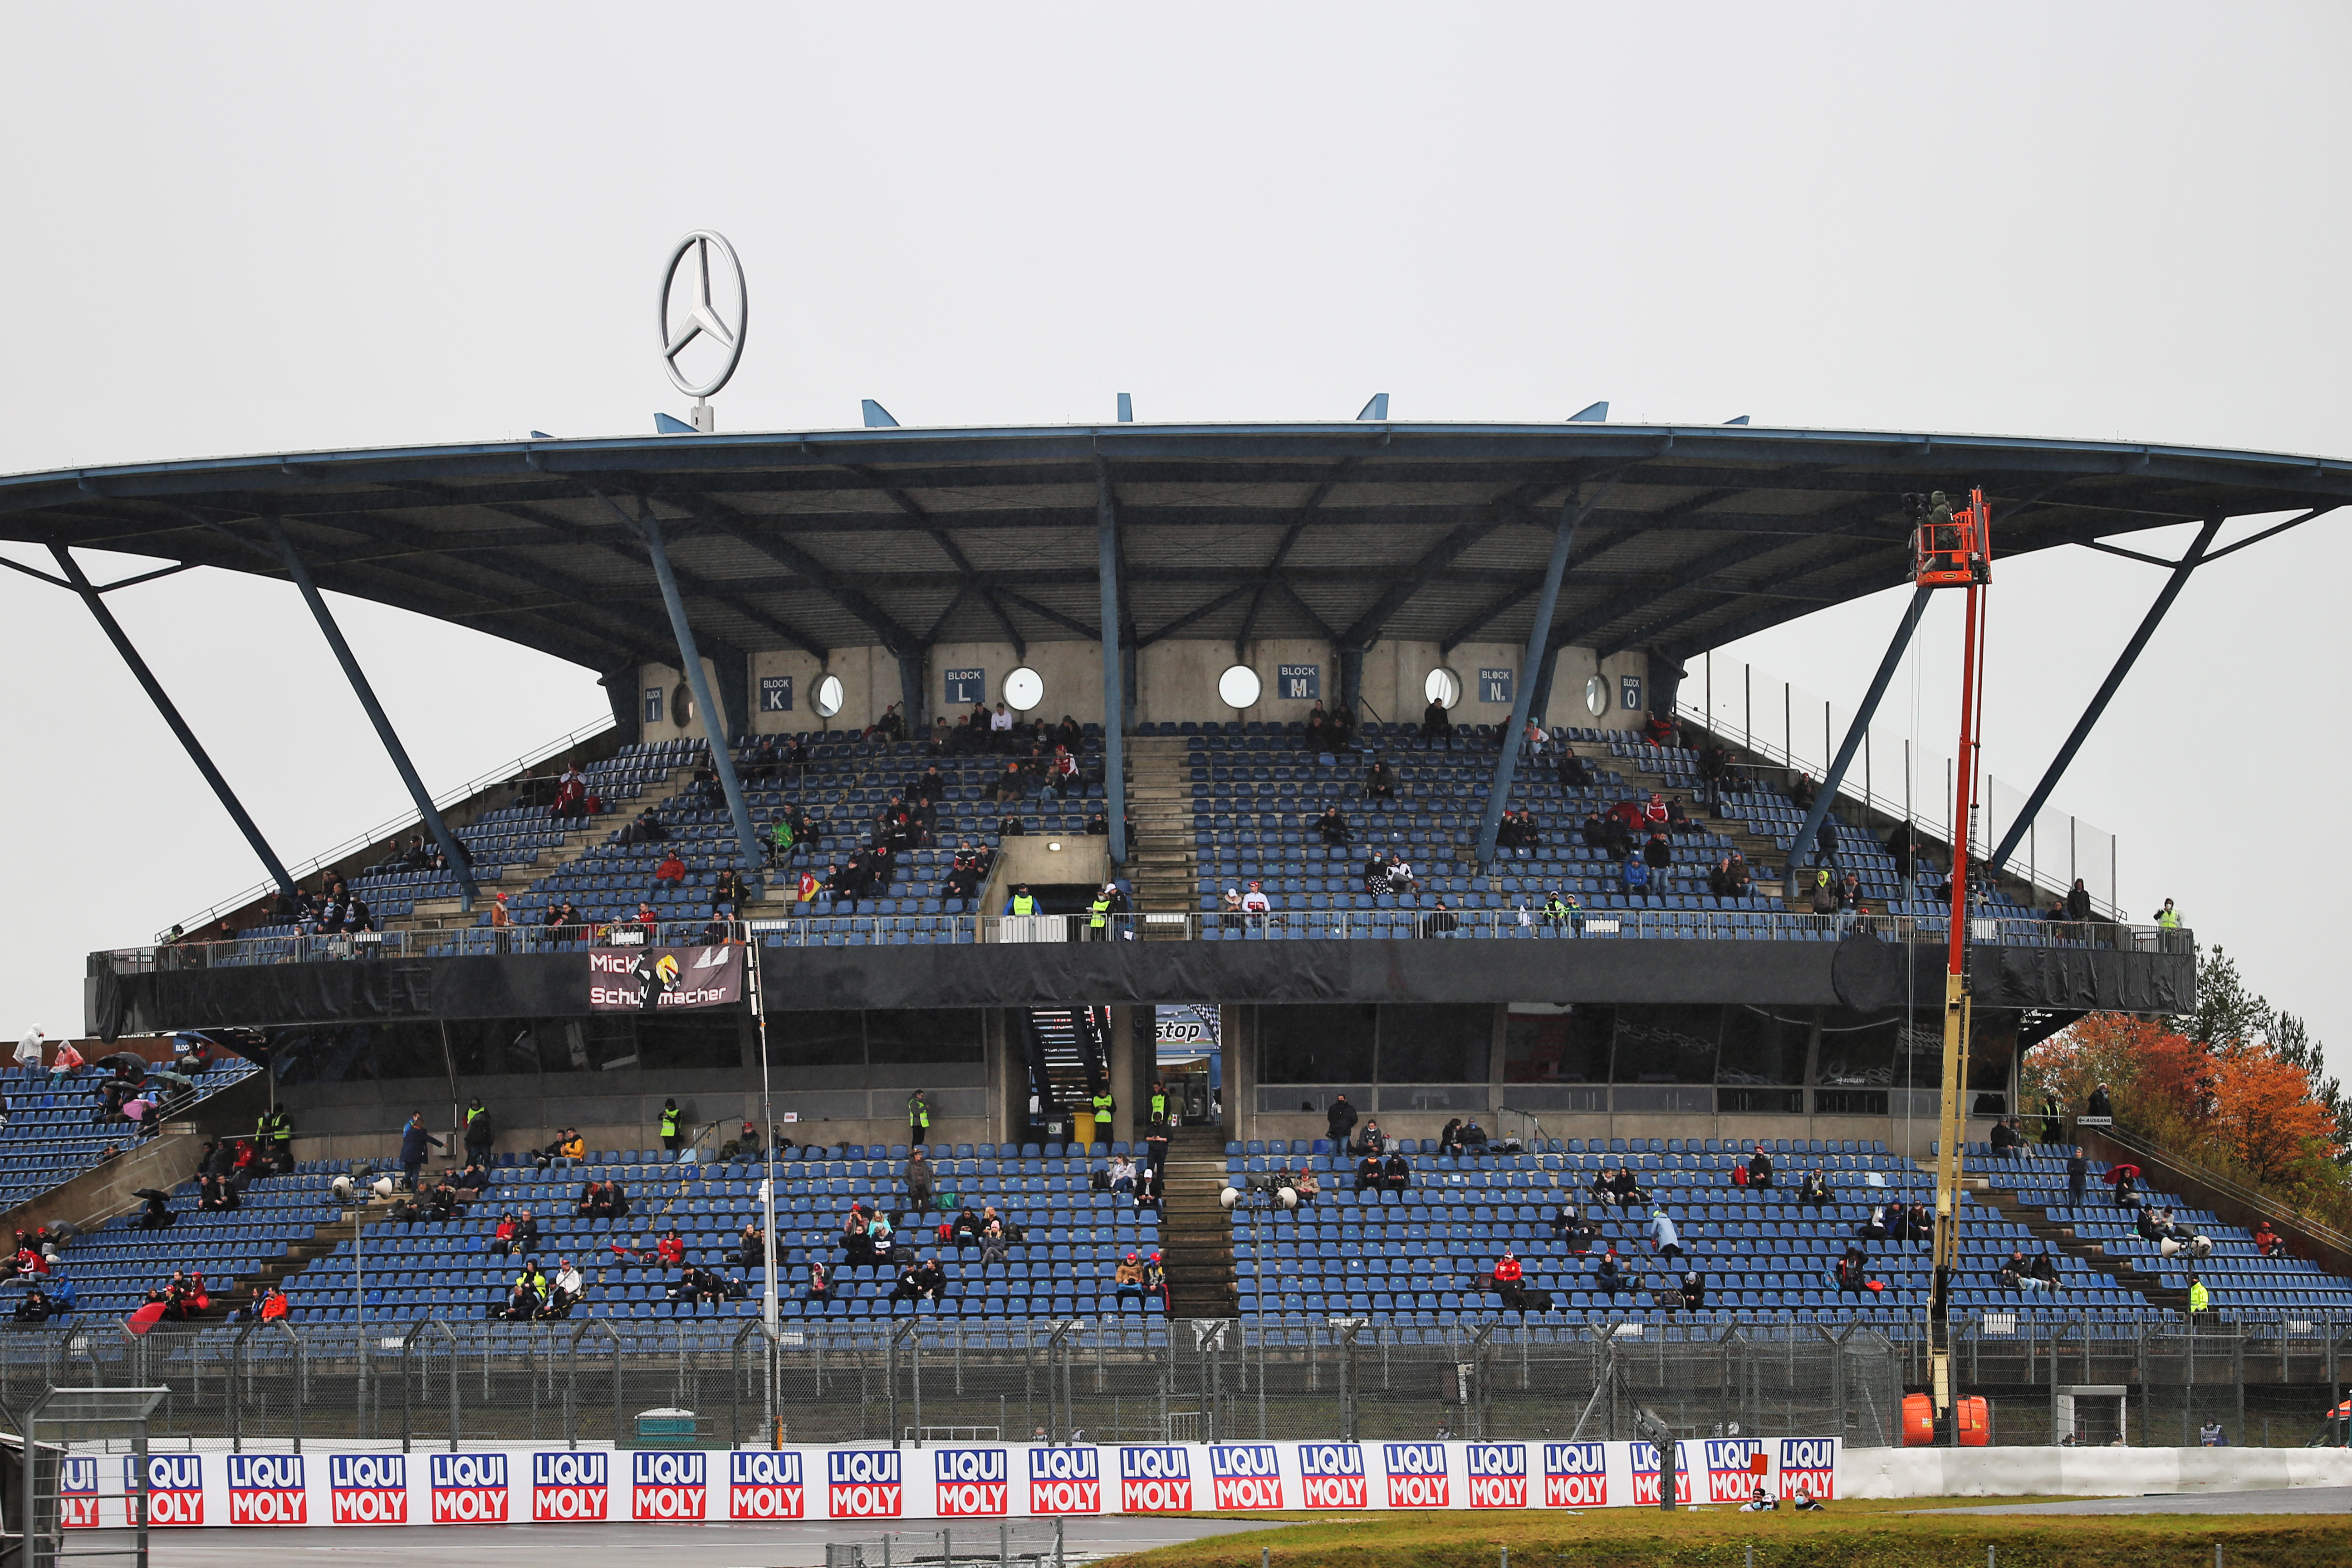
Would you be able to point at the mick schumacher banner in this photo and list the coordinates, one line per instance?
(657, 979)
(530, 1485)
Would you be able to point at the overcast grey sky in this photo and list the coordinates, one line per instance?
(246, 227)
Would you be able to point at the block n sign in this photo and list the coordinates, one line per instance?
(775, 694)
(1298, 682)
(967, 688)
(1496, 686)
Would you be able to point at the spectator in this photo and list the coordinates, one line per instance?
(34, 1308)
(1852, 1273)
(2209, 1435)
(481, 1133)
(1398, 1171)
(1307, 1184)
(1663, 1234)
(275, 1306)
(672, 870)
(919, 1186)
(2125, 1175)
(1257, 906)
(1339, 1121)
(1814, 1190)
(1334, 826)
(1128, 1279)
(820, 1280)
(2078, 1175)
(565, 1291)
(2201, 1301)
(2005, 1138)
(2099, 1104)
(1573, 773)
(2045, 1269)
(1694, 1291)
(1508, 1280)
(2078, 901)
(414, 1140)
(158, 1213)
(1441, 920)
(1801, 791)
(502, 1238)
(1435, 724)
(29, 1051)
(1118, 1175)
(1633, 876)
(1381, 782)
(1760, 1168)
(1155, 1150)
(1370, 1177)
(2266, 1240)
(1611, 1276)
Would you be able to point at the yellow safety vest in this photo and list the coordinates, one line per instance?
(2169, 919)
(1023, 904)
(670, 1124)
(1101, 910)
(1102, 1106)
(1159, 1107)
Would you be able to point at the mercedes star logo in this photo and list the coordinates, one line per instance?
(702, 318)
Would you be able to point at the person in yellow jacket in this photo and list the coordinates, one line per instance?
(1094, 1117)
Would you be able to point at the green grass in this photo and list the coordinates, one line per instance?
(1849, 1535)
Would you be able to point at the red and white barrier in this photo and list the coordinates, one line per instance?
(515, 1484)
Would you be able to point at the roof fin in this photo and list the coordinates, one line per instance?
(666, 426)
(1595, 414)
(1125, 409)
(1742, 420)
(1378, 408)
(877, 417)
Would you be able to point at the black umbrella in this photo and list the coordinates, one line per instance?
(151, 1192)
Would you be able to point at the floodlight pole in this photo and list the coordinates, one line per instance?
(2148, 623)
(90, 595)
(1820, 810)
(451, 850)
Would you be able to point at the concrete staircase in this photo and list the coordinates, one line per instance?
(1196, 1233)
(2062, 1238)
(1160, 861)
(1759, 850)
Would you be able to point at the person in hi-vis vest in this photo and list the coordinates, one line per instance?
(1094, 1117)
(1023, 902)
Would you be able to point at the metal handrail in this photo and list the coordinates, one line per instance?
(396, 825)
(1321, 925)
(2235, 1191)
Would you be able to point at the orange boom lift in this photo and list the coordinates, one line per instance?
(1953, 550)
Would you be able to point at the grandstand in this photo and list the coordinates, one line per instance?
(1190, 596)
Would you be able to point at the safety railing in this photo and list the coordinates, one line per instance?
(398, 825)
(1525, 924)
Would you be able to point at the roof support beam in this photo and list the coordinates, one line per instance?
(715, 719)
(2189, 562)
(1114, 678)
(460, 863)
(81, 584)
(1367, 627)
(1825, 797)
(949, 548)
(734, 524)
(1498, 793)
(1189, 616)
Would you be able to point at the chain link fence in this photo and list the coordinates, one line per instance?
(436, 1383)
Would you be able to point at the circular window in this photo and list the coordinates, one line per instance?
(681, 705)
(826, 699)
(1024, 689)
(1239, 685)
(1442, 686)
(1596, 696)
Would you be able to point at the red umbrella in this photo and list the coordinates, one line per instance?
(144, 1319)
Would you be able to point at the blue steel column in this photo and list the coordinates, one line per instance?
(2058, 765)
(1857, 730)
(714, 717)
(179, 726)
(1114, 680)
(1539, 645)
(451, 850)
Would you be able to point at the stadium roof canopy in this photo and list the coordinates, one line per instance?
(1348, 532)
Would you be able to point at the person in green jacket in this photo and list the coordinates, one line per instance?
(919, 1119)
(1098, 915)
(780, 841)
(2200, 1299)
(1023, 902)
(2167, 917)
(672, 1123)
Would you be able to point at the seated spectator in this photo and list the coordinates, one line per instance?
(2125, 1177)
(1307, 1184)
(1370, 1177)
(1633, 876)
(1398, 1171)
(2006, 1140)
(1381, 782)
(565, 1289)
(1874, 1227)
(2017, 1274)
(158, 1213)
(910, 1287)
(1255, 905)
(1611, 1276)
(1801, 791)
(473, 1181)
(1333, 826)
(1573, 773)
(1449, 1139)
(1694, 1291)
(1760, 1168)
(1852, 1273)
(1435, 724)
(2044, 1269)
(1814, 1190)
(1128, 1279)
(275, 1306)
(1118, 1175)
(502, 1238)
(672, 869)
(34, 1308)
(881, 1237)
(820, 1280)
(2266, 1240)
(1508, 1278)
(1678, 817)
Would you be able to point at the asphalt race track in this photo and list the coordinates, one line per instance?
(609, 1545)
